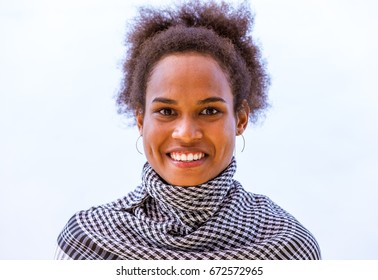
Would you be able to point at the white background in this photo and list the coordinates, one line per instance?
(63, 147)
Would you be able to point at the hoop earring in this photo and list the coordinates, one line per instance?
(243, 142)
(136, 144)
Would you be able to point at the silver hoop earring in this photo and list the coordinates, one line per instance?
(243, 142)
(136, 144)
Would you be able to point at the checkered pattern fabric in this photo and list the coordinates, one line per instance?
(215, 220)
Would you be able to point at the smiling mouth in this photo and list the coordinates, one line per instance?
(186, 157)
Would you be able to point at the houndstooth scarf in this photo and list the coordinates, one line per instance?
(215, 220)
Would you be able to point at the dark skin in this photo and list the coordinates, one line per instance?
(189, 124)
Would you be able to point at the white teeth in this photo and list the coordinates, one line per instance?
(186, 157)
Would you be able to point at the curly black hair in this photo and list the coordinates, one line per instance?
(215, 29)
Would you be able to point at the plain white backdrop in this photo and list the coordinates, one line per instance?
(63, 147)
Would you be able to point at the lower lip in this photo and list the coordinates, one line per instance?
(187, 164)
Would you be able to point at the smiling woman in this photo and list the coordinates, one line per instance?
(189, 124)
(193, 80)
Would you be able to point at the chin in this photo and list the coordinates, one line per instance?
(185, 182)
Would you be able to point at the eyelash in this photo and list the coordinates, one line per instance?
(170, 112)
(214, 111)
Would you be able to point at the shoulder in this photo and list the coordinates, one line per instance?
(293, 240)
(88, 231)
(81, 236)
(75, 240)
(280, 234)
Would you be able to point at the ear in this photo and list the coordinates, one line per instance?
(242, 116)
(139, 120)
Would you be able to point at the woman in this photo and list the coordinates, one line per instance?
(193, 80)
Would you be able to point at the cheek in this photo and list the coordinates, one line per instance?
(228, 127)
(230, 134)
(154, 138)
(223, 136)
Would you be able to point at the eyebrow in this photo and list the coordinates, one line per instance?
(201, 102)
(211, 100)
(164, 100)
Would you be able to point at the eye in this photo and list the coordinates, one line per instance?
(166, 112)
(209, 111)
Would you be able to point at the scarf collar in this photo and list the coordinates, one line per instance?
(190, 206)
(205, 196)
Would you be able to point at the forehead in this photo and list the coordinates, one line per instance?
(188, 75)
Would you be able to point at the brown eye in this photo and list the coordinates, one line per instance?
(166, 112)
(209, 111)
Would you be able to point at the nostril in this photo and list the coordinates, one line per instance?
(187, 132)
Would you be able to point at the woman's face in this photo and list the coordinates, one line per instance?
(189, 124)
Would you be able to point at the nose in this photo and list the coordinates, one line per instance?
(187, 130)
